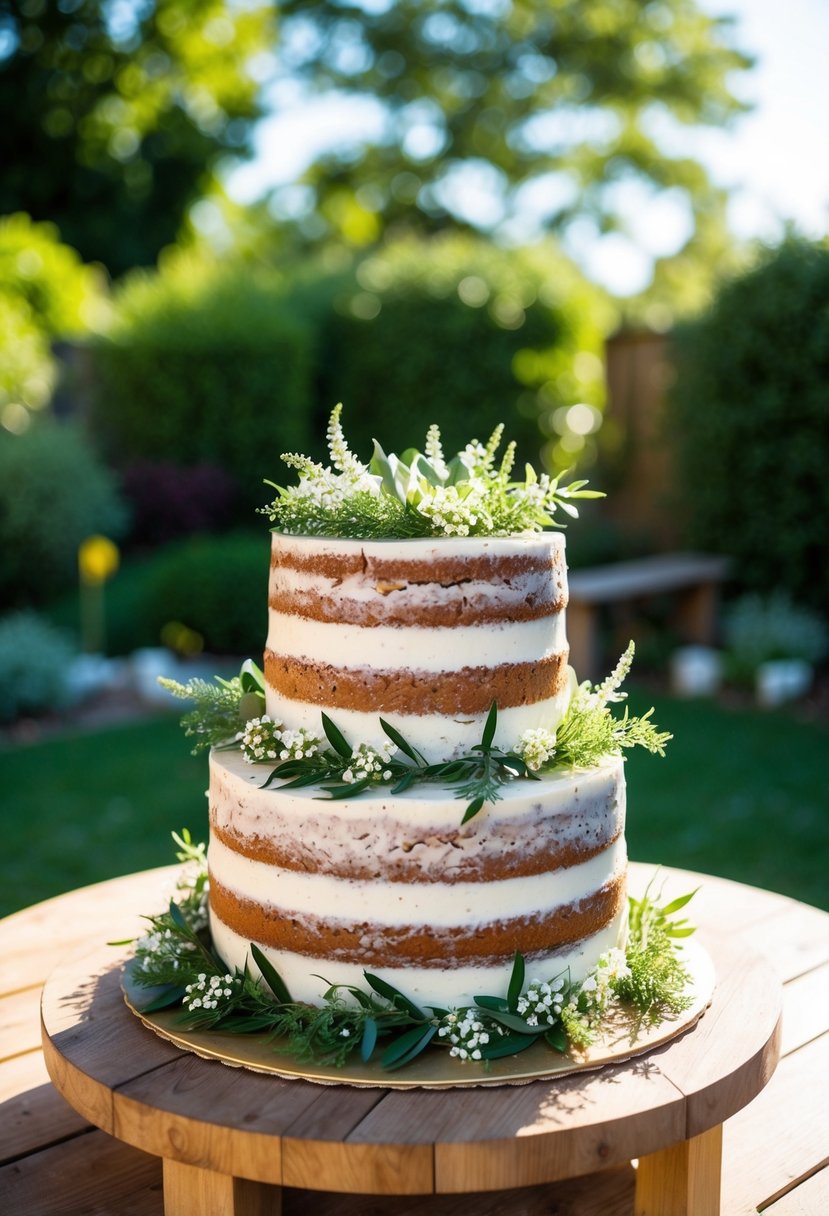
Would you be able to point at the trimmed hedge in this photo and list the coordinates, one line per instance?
(750, 413)
(217, 586)
(204, 366)
(231, 367)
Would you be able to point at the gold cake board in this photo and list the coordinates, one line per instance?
(620, 1037)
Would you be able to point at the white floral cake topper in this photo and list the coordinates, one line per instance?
(418, 493)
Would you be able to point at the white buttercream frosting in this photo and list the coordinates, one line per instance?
(442, 905)
(426, 649)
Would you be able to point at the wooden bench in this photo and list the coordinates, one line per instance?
(693, 579)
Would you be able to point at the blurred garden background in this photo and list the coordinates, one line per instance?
(218, 219)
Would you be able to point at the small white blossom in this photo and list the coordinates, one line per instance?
(368, 763)
(211, 994)
(536, 747)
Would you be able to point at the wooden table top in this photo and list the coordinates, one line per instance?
(775, 1149)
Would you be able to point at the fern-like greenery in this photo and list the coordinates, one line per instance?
(417, 494)
(221, 707)
(176, 959)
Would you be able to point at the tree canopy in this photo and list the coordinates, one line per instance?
(571, 100)
(115, 113)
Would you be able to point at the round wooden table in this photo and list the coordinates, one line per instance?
(231, 1139)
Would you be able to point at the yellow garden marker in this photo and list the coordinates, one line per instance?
(98, 560)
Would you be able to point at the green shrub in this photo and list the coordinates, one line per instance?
(34, 656)
(457, 331)
(45, 293)
(53, 493)
(217, 586)
(204, 365)
(750, 413)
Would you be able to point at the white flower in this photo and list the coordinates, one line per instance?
(536, 747)
(368, 763)
(210, 994)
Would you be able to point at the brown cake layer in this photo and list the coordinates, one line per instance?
(470, 690)
(514, 851)
(392, 607)
(368, 944)
(444, 571)
(523, 587)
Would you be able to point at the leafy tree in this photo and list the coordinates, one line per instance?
(120, 111)
(572, 100)
(46, 294)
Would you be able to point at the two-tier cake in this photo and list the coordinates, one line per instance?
(426, 634)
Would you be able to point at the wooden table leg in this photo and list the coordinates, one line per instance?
(191, 1191)
(683, 1180)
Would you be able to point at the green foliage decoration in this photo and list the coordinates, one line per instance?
(750, 415)
(419, 493)
(587, 734)
(201, 363)
(177, 967)
(54, 492)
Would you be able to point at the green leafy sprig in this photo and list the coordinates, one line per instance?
(657, 981)
(418, 494)
(588, 732)
(178, 967)
(478, 775)
(221, 708)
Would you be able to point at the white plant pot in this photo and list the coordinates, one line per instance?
(782, 680)
(696, 671)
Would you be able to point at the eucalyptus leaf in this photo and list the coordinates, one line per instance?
(676, 904)
(171, 995)
(369, 1039)
(270, 975)
(516, 982)
(473, 809)
(489, 727)
(397, 998)
(497, 1003)
(407, 1046)
(556, 1037)
(508, 1045)
(513, 1021)
(178, 919)
(401, 742)
(335, 738)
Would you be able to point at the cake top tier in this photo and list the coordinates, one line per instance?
(418, 494)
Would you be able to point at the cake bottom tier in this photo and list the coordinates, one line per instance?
(399, 887)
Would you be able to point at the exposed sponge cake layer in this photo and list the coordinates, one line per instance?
(540, 827)
(419, 582)
(416, 691)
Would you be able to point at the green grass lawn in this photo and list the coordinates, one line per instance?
(741, 794)
(83, 807)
